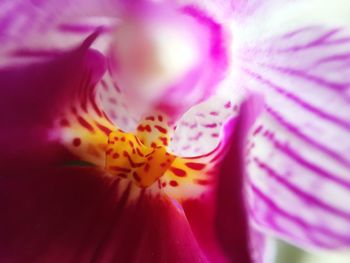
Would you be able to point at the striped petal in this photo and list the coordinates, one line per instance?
(35, 30)
(298, 153)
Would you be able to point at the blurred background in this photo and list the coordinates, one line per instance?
(290, 254)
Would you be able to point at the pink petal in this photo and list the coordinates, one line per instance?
(199, 130)
(299, 152)
(116, 106)
(31, 30)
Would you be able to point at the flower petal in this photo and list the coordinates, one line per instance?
(115, 104)
(73, 214)
(35, 30)
(198, 130)
(218, 217)
(34, 96)
(234, 238)
(298, 157)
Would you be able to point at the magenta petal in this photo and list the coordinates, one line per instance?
(32, 96)
(74, 215)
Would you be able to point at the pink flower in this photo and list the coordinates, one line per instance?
(171, 131)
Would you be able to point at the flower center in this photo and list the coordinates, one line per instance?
(150, 54)
(127, 157)
(142, 158)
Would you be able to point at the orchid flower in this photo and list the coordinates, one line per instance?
(173, 131)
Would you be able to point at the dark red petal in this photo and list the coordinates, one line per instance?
(231, 219)
(31, 97)
(219, 218)
(201, 215)
(74, 215)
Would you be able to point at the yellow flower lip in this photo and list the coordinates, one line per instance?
(128, 157)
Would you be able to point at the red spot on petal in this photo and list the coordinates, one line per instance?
(178, 172)
(257, 130)
(76, 142)
(202, 181)
(104, 85)
(164, 140)
(103, 128)
(138, 141)
(85, 124)
(139, 152)
(195, 166)
(211, 125)
(112, 100)
(150, 118)
(144, 128)
(146, 168)
(160, 117)
(227, 105)
(173, 183)
(160, 129)
(136, 176)
(116, 87)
